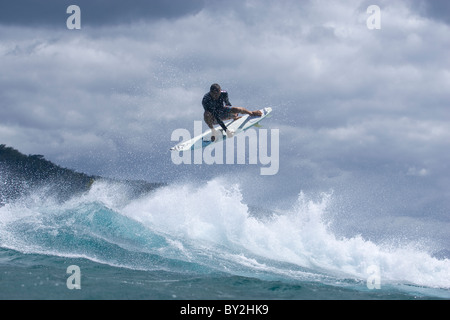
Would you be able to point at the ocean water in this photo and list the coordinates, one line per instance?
(172, 244)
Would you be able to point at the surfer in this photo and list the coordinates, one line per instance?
(218, 107)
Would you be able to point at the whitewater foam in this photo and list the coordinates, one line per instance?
(215, 214)
(209, 227)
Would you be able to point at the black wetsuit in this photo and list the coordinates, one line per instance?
(219, 108)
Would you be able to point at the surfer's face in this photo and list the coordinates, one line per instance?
(215, 94)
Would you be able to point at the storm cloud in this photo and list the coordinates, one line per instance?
(51, 13)
(356, 108)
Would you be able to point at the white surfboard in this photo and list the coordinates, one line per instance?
(238, 126)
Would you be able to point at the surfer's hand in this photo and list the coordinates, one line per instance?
(257, 113)
(230, 133)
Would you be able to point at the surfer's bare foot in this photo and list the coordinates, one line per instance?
(214, 133)
(256, 113)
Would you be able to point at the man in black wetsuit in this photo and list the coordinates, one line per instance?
(218, 107)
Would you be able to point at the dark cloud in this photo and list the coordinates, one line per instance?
(349, 102)
(435, 9)
(99, 12)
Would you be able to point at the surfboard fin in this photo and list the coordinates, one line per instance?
(257, 125)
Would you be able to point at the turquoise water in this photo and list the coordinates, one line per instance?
(34, 276)
(170, 244)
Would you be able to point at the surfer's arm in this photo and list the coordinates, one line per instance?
(220, 122)
(225, 98)
(228, 104)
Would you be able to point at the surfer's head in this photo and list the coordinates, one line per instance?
(214, 91)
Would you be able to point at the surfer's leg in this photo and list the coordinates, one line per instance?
(210, 120)
(226, 114)
(236, 116)
(255, 113)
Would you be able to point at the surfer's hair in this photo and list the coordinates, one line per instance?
(214, 88)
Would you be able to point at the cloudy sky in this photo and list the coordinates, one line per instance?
(356, 109)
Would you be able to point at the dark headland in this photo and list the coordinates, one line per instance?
(22, 174)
